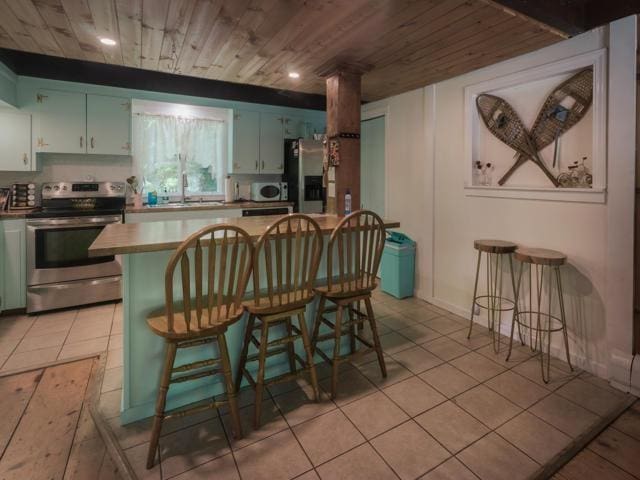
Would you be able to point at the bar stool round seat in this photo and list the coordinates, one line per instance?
(494, 246)
(540, 256)
(494, 301)
(532, 317)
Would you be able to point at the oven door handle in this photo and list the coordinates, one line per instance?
(73, 222)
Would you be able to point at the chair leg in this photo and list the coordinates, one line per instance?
(245, 352)
(316, 324)
(161, 402)
(262, 357)
(475, 291)
(231, 393)
(516, 318)
(352, 330)
(563, 317)
(307, 347)
(336, 351)
(376, 338)
(291, 348)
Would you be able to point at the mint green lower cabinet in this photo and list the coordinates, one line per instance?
(13, 264)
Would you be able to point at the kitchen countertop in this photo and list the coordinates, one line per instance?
(206, 206)
(13, 215)
(119, 239)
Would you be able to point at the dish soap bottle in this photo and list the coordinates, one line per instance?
(347, 202)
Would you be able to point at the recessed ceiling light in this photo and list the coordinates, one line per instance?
(107, 41)
(294, 75)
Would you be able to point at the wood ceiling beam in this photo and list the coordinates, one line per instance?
(570, 17)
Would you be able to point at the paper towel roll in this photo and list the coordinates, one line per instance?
(228, 189)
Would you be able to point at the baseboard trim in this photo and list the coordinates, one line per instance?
(597, 368)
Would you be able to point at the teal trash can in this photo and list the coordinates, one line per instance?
(397, 268)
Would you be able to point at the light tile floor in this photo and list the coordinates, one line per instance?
(29, 341)
(449, 408)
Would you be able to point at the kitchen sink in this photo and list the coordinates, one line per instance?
(191, 204)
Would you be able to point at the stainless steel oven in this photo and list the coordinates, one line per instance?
(60, 272)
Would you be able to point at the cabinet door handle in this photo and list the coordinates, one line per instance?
(262, 164)
(256, 165)
(40, 97)
(126, 146)
(25, 159)
(41, 142)
(81, 141)
(93, 143)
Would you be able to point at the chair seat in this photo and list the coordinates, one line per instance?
(218, 323)
(345, 289)
(540, 256)
(296, 299)
(494, 246)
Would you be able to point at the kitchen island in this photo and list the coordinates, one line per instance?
(145, 249)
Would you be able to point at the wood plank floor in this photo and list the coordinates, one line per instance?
(47, 432)
(612, 455)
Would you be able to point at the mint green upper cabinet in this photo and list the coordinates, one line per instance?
(60, 122)
(108, 125)
(15, 138)
(13, 264)
(246, 142)
(271, 143)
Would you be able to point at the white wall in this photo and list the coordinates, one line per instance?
(425, 180)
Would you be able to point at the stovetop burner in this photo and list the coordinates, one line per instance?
(61, 213)
(81, 199)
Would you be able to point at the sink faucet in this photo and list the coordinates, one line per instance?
(185, 185)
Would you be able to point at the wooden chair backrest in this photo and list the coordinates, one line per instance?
(356, 243)
(287, 255)
(227, 270)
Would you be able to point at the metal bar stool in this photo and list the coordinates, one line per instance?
(533, 318)
(494, 301)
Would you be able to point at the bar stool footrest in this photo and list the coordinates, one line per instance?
(196, 376)
(510, 303)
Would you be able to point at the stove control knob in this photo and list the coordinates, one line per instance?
(56, 188)
(64, 187)
(47, 187)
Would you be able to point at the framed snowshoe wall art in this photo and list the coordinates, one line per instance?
(539, 133)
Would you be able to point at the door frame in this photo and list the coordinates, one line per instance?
(370, 114)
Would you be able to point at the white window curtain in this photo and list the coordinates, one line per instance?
(164, 146)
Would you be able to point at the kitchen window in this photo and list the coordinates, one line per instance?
(170, 141)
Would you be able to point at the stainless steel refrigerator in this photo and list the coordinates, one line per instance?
(303, 173)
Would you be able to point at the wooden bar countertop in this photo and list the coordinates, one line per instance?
(119, 239)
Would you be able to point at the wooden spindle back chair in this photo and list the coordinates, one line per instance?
(285, 265)
(202, 315)
(228, 268)
(356, 244)
(353, 258)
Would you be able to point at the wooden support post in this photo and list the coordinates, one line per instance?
(343, 117)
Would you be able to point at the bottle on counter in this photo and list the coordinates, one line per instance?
(347, 202)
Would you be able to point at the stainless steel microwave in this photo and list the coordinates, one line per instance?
(269, 192)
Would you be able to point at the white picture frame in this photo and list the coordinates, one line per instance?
(473, 124)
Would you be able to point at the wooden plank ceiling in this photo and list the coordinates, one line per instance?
(404, 44)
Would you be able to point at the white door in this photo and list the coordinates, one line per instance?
(372, 160)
